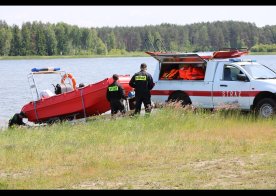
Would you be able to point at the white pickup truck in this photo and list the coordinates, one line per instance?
(209, 82)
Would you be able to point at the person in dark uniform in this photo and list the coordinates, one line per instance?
(142, 82)
(115, 95)
(17, 119)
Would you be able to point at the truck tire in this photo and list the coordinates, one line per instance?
(266, 107)
(180, 96)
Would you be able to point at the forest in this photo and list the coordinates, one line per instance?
(46, 39)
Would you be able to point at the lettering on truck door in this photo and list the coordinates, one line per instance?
(228, 89)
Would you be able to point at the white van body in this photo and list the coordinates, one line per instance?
(249, 86)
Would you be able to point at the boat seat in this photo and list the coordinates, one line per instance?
(46, 93)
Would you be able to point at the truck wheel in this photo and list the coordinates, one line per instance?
(179, 96)
(266, 107)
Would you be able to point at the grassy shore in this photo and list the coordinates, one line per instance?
(173, 148)
(130, 54)
(262, 53)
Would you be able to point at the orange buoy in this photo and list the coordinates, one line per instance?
(74, 83)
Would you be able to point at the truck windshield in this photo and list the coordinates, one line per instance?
(259, 71)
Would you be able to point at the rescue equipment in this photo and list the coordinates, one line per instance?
(45, 69)
(183, 73)
(191, 73)
(170, 75)
(196, 73)
(221, 54)
(74, 83)
(84, 102)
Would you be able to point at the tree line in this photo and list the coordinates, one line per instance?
(46, 39)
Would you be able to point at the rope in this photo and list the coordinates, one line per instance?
(36, 115)
(82, 100)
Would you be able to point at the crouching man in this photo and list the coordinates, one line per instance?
(17, 119)
(115, 95)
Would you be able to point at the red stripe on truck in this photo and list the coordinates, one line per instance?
(209, 93)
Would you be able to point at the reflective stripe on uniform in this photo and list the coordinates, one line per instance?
(113, 88)
(140, 77)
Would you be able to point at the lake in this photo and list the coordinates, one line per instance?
(15, 91)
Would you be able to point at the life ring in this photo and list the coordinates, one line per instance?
(74, 83)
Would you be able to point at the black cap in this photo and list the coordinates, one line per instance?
(115, 77)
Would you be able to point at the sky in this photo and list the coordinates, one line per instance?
(99, 16)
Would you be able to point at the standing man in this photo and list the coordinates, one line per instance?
(143, 83)
(115, 95)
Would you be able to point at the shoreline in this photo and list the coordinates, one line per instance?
(69, 57)
(139, 54)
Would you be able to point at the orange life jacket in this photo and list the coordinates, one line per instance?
(195, 73)
(170, 75)
(164, 75)
(183, 73)
(173, 73)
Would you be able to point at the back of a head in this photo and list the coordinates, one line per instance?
(115, 77)
(143, 66)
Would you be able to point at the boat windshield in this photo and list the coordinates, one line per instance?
(258, 71)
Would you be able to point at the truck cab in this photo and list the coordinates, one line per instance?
(208, 82)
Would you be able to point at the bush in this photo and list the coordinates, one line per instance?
(117, 52)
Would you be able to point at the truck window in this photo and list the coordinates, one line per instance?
(181, 71)
(230, 73)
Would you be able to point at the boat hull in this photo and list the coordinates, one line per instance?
(83, 102)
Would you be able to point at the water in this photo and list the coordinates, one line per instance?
(15, 91)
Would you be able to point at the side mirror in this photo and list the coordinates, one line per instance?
(242, 77)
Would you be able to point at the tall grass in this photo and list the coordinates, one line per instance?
(174, 148)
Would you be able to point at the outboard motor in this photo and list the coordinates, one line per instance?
(62, 88)
(57, 89)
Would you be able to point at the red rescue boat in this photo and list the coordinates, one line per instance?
(230, 53)
(79, 103)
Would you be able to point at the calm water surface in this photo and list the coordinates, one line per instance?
(14, 86)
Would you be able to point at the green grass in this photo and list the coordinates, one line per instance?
(173, 148)
(262, 53)
(129, 54)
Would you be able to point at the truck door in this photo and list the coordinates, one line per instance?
(228, 89)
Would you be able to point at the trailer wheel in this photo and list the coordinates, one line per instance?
(266, 107)
(180, 97)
